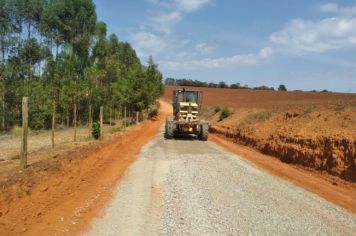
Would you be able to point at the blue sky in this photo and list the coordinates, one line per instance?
(304, 44)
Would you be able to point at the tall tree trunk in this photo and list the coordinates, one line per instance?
(3, 53)
(30, 60)
(57, 50)
(75, 122)
(53, 119)
(67, 118)
(3, 105)
(39, 63)
(3, 125)
(29, 30)
(90, 120)
(110, 114)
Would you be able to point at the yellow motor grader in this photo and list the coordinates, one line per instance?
(185, 120)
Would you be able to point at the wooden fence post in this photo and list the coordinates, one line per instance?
(3, 125)
(53, 120)
(130, 117)
(110, 114)
(90, 120)
(137, 117)
(3, 105)
(67, 117)
(101, 121)
(125, 118)
(75, 122)
(23, 154)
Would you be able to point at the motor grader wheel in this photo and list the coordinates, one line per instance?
(204, 132)
(169, 129)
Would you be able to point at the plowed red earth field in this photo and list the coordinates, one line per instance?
(265, 99)
(314, 130)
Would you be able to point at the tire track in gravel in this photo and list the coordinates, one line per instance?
(189, 187)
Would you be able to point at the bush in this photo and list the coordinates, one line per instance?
(222, 84)
(153, 113)
(217, 109)
(95, 130)
(235, 86)
(17, 130)
(225, 113)
(282, 87)
(264, 87)
(154, 110)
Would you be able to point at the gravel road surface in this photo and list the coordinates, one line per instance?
(189, 187)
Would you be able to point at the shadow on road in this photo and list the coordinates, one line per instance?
(186, 137)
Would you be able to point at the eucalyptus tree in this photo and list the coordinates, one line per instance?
(73, 23)
(5, 29)
(153, 82)
(75, 59)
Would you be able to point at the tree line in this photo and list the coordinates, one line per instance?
(56, 51)
(221, 84)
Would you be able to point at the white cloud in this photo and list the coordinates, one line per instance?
(148, 43)
(181, 5)
(301, 36)
(329, 7)
(163, 22)
(204, 48)
(336, 9)
(158, 31)
(191, 5)
(211, 63)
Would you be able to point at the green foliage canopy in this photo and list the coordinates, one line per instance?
(57, 51)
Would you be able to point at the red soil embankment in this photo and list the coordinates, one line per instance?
(62, 195)
(333, 189)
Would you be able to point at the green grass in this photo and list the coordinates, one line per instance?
(225, 113)
(217, 109)
(256, 117)
(87, 138)
(115, 130)
(17, 130)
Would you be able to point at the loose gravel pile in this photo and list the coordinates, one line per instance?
(189, 187)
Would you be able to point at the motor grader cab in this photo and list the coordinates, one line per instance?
(186, 111)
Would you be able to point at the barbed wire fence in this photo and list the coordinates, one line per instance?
(22, 140)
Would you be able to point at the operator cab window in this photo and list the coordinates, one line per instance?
(187, 96)
(191, 96)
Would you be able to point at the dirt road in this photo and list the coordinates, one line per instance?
(61, 195)
(188, 187)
